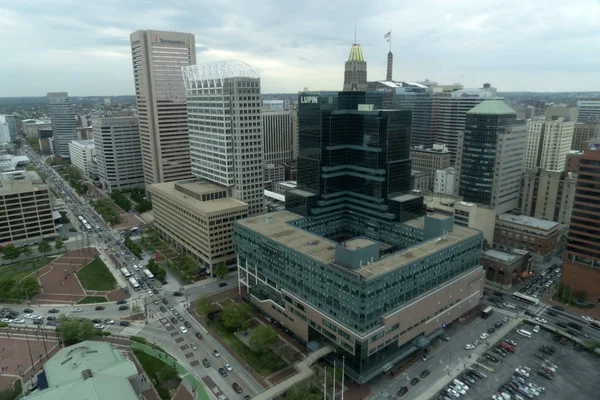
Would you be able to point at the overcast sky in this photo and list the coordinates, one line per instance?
(83, 46)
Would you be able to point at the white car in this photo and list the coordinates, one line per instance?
(19, 321)
(28, 316)
(586, 318)
(109, 321)
(34, 316)
(476, 343)
(536, 329)
(459, 389)
(194, 347)
(76, 310)
(150, 293)
(522, 372)
(228, 367)
(98, 326)
(182, 329)
(469, 346)
(452, 392)
(540, 320)
(483, 336)
(7, 320)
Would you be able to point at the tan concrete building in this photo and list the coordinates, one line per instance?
(428, 160)
(31, 127)
(25, 208)
(572, 161)
(538, 236)
(548, 142)
(584, 131)
(548, 195)
(420, 180)
(196, 216)
(161, 102)
(465, 214)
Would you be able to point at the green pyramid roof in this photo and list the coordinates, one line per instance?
(492, 107)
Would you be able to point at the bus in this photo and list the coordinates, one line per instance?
(134, 284)
(595, 325)
(148, 274)
(125, 272)
(525, 298)
(487, 312)
(80, 218)
(88, 227)
(83, 221)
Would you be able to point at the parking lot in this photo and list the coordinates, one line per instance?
(575, 377)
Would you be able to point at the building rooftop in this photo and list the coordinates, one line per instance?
(87, 370)
(358, 243)
(275, 226)
(501, 255)
(355, 53)
(11, 181)
(492, 107)
(529, 221)
(203, 207)
(88, 144)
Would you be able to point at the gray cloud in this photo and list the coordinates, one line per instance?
(83, 47)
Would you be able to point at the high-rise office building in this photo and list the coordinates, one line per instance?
(352, 263)
(548, 142)
(490, 156)
(278, 129)
(82, 153)
(4, 131)
(118, 152)
(11, 125)
(589, 109)
(160, 96)
(418, 99)
(225, 128)
(449, 113)
(62, 117)
(25, 208)
(548, 195)
(583, 132)
(355, 71)
(581, 268)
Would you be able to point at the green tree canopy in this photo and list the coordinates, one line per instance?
(203, 305)
(26, 251)
(44, 247)
(59, 244)
(262, 338)
(234, 314)
(30, 287)
(167, 373)
(220, 270)
(11, 252)
(73, 331)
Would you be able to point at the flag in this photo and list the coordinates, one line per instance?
(388, 36)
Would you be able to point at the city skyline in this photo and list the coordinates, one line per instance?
(306, 47)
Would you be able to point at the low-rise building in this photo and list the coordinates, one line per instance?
(503, 269)
(273, 174)
(25, 208)
(88, 370)
(420, 180)
(444, 181)
(82, 153)
(572, 161)
(538, 236)
(282, 187)
(31, 127)
(195, 216)
(548, 195)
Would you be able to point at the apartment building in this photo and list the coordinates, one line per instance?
(548, 195)
(82, 153)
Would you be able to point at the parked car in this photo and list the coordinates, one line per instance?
(414, 381)
(424, 373)
(187, 324)
(216, 353)
(53, 311)
(206, 362)
(99, 308)
(123, 308)
(223, 372)
(199, 335)
(122, 302)
(124, 323)
(165, 301)
(403, 390)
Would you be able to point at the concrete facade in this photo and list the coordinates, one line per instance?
(444, 181)
(118, 152)
(25, 208)
(572, 161)
(548, 195)
(31, 127)
(273, 174)
(196, 217)
(82, 153)
(429, 160)
(62, 116)
(278, 132)
(539, 237)
(161, 104)
(589, 109)
(503, 269)
(548, 142)
(420, 180)
(583, 132)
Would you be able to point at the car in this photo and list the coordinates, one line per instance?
(414, 381)
(559, 308)
(483, 336)
(177, 294)
(76, 310)
(424, 373)
(122, 302)
(150, 293)
(222, 284)
(468, 378)
(51, 323)
(540, 320)
(194, 347)
(545, 374)
(236, 387)
(511, 342)
(536, 329)
(403, 390)
(499, 351)
(187, 324)
(459, 389)
(123, 308)
(561, 324)
(99, 308)
(28, 316)
(206, 362)
(469, 346)
(223, 372)
(199, 335)
(522, 372)
(491, 358)
(552, 313)
(165, 301)
(97, 321)
(426, 357)
(216, 353)
(498, 324)
(28, 310)
(109, 321)
(163, 309)
(38, 321)
(452, 392)
(179, 317)
(98, 326)
(491, 330)
(156, 302)
(173, 320)
(124, 323)
(529, 313)
(228, 367)
(53, 311)
(155, 291)
(51, 318)
(19, 321)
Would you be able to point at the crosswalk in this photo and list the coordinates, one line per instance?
(511, 314)
(132, 329)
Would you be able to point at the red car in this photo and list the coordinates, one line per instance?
(199, 335)
(402, 390)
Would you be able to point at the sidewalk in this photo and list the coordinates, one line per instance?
(478, 352)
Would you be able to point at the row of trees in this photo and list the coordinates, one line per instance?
(157, 270)
(26, 288)
(106, 208)
(73, 175)
(72, 331)
(11, 252)
(133, 246)
(121, 200)
(143, 204)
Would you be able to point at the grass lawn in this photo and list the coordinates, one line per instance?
(21, 269)
(264, 364)
(96, 276)
(92, 299)
(152, 366)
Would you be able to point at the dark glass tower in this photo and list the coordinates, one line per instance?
(354, 158)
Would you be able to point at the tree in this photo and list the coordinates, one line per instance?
(234, 314)
(309, 389)
(11, 252)
(203, 305)
(26, 251)
(69, 330)
(245, 326)
(262, 338)
(220, 270)
(44, 248)
(85, 330)
(166, 373)
(30, 287)
(59, 244)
